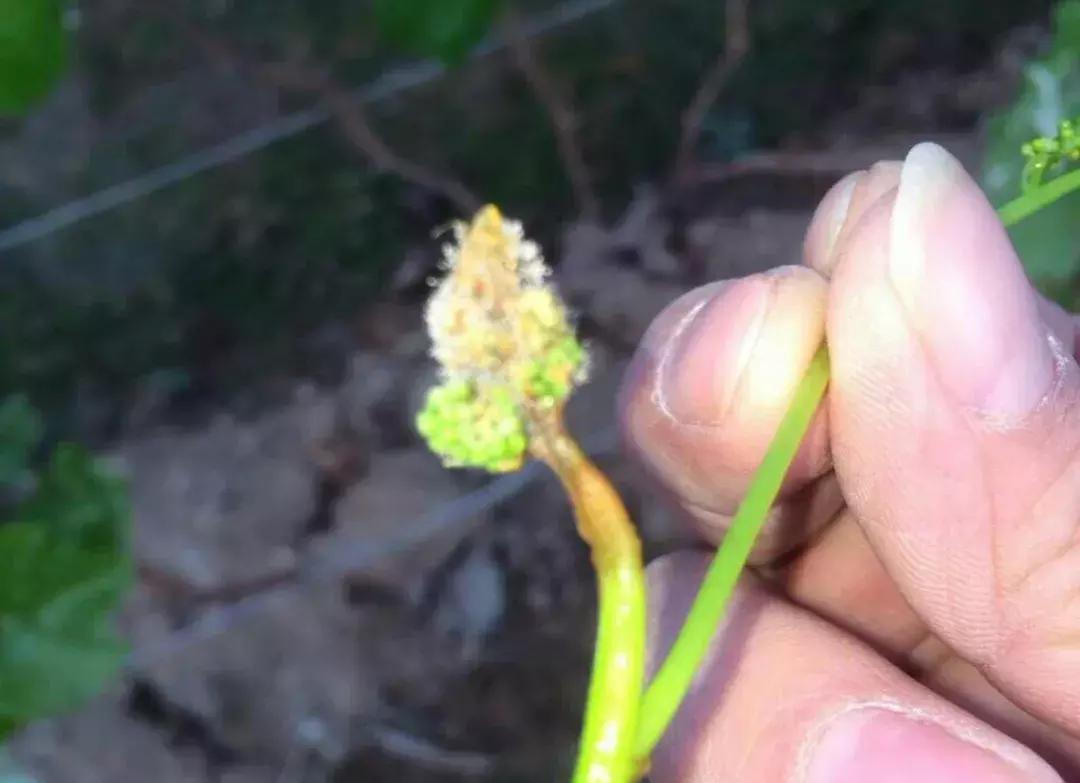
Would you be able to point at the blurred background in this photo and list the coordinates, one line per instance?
(216, 235)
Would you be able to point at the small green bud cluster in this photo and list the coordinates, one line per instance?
(473, 425)
(505, 343)
(553, 375)
(1051, 154)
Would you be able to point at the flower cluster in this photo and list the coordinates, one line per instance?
(472, 425)
(1050, 154)
(504, 342)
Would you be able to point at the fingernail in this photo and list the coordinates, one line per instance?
(956, 273)
(843, 206)
(884, 746)
(838, 204)
(707, 351)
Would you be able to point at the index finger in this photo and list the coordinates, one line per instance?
(708, 387)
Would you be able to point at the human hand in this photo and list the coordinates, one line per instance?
(917, 610)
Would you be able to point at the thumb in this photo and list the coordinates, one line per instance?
(956, 431)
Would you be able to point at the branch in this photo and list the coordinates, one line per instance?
(736, 47)
(346, 110)
(560, 115)
(355, 126)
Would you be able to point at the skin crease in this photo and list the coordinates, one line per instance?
(954, 605)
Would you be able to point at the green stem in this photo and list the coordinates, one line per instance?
(606, 750)
(671, 683)
(1037, 198)
(611, 709)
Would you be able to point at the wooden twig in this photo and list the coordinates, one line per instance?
(736, 47)
(560, 115)
(347, 112)
(355, 126)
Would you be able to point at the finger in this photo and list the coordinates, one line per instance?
(844, 206)
(841, 209)
(706, 391)
(861, 597)
(955, 425)
(840, 578)
(958, 680)
(786, 698)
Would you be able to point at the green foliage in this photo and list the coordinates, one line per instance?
(32, 51)
(1049, 241)
(446, 29)
(66, 567)
(20, 431)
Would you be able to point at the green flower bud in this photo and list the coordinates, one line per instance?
(472, 425)
(551, 377)
(1050, 154)
(505, 342)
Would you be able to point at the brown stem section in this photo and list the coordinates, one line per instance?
(601, 516)
(347, 111)
(560, 115)
(736, 47)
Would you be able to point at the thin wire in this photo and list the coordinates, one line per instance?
(386, 86)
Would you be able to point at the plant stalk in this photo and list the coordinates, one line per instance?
(673, 680)
(605, 754)
(1042, 196)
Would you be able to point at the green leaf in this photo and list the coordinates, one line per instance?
(20, 432)
(77, 500)
(446, 29)
(1049, 241)
(32, 51)
(66, 568)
